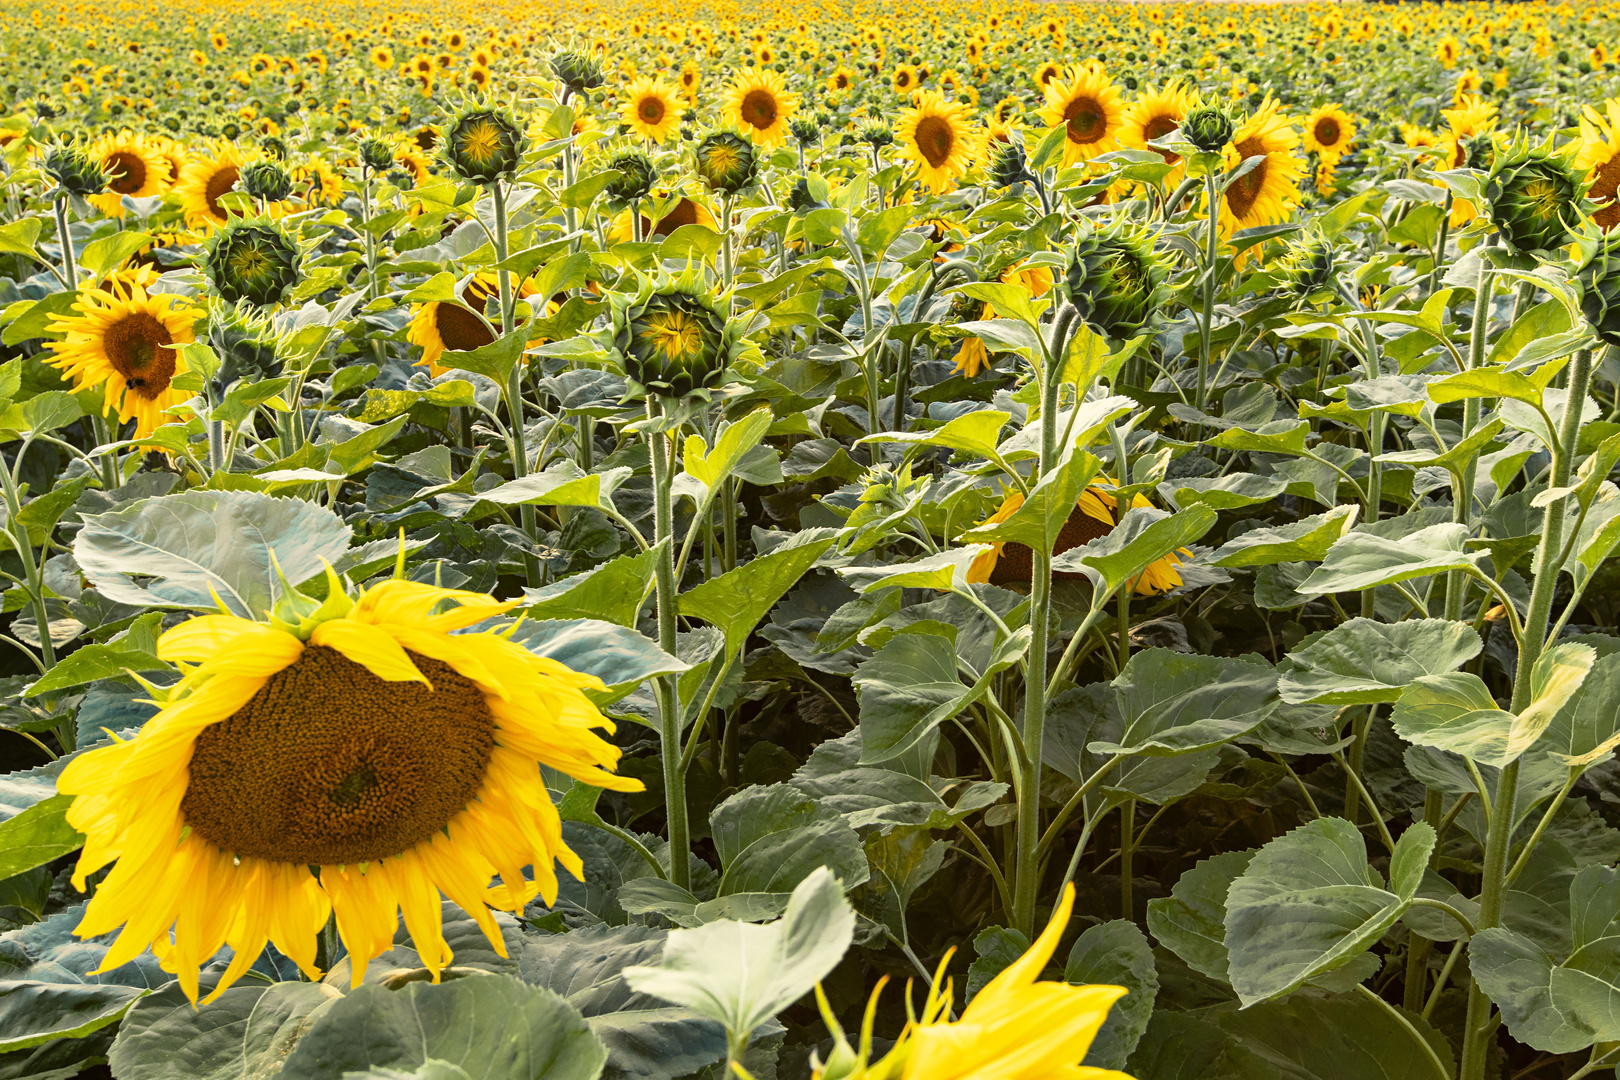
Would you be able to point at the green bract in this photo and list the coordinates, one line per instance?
(252, 260)
(672, 338)
(1114, 279)
(1534, 195)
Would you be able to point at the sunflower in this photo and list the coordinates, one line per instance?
(442, 325)
(758, 104)
(318, 183)
(414, 162)
(1094, 516)
(1047, 72)
(650, 109)
(358, 761)
(905, 80)
(940, 136)
(691, 79)
(382, 57)
(1265, 194)
(687, 211)
(134, 166)
(840, 80)
(1329, 131)
(1472, 116)
(1599, 160)
(1154, 115)
(972, 357)
(204, 180)
(1087, 104)
(123, 339)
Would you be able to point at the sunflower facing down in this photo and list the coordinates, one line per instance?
(1087, 103)
(357, 760)
(650, 109)
(757, 104)
(122, 339)
(1329, 131)
(440, 326)
(134, 166)
(940, 136)
(972, 357)
(1094, 516)
(1265, 194)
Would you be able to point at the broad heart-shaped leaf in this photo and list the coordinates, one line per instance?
(492, 1026)
(37, 836)
(619, 656)
(1143, 536)
(131, 649)
(246, 1031)
(1362, 560)
(1223, 492)
(1116, 953)
(741, 974)
(1305, 540)
(183, 546)
(772, 838)
(974, 434)
(1308, 903)
(613, 591)
(1175, 703)
(1587, 729)
(1277, 437)
(1362, 661)
(1312, 1036)
(564, 484)
(645, 1038)
(1191, 921)
(946, 570)
(1037, 522)
(905, 691)
(732, 444)
(736, 601)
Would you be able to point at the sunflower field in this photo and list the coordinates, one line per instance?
(841, 541)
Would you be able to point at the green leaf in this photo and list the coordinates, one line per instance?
(563, 484)
(772, 838)
(35, 837)
(621, 657)
(1038, 521)
(736, 601)
(1142, 537)
(1176, 703)
(1225, 492)
(1191, 921)
(1339, 1037)
(41, 413)
(131, 649)
(496, 360)
(741, 974)
(974, 434)
(1587, 729)
(1485, 383)
(379, 404)
(493, 1027)
(877, 231)
(1309, 903)
(1362, 560)
(109, 252)
(1116, 953)
(733, 443)
(1277, 437)
(1362, 661)
(36, 321)
(613, 591)
(188, 546)
(17, 237)
(1305, 540)
(246, 1031)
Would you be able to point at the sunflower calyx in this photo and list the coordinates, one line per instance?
(297, 613)
(726, 162)
(483, 144)
(578, 71)
(804, 130)
(1535, 196)
(376, 155)
(266, 180)
(635, 179)
(1208, 127)
(672, 338)
(78, 172)
(1308, 265)
(254, 260)
(1115, 280)
(1599, 280)
(1007, 165)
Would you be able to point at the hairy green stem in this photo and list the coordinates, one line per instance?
(659, 447)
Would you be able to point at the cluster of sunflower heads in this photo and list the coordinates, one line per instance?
(726, 162)
(77, 171)
(1307, 266)
(578, 71)
(673, 339)
(1535, 195)
(253, 261)
(635, 179)
(484, 144)
(1208, 127)
(1599, 280)
(1115, 279)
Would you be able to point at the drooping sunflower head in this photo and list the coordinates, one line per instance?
(1329, 130)
(376, 155)
(726, 162)
(757, 104)
(354, 756)
(484, 144)
(804, 130)
(635, 179)
(1115, 280)
(673, 339)
(122, 338)
(1266, 193)
(1535, 195)
(75, 169)
(1308, 265)
(255, 260)
(1088, 105)
(940, 137)
(1007, 163)
(650, 109)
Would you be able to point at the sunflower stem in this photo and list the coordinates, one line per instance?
(570, 177)
(1127, 827)
(514, 385)
(1206, 325)
(725, 242)
(659, 446)
(70, 269)
(365, 224)
(1463, 511)
(1440, 247)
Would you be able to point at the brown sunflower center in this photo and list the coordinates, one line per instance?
(1016, 561)
(223, 180)
(1157, 128)
(1245, 190)
(935, 140)
(137, 346)
(1605, 180)
(1327, 131)
(685, 213)
(651, 110)
(1086, 119)
(459, 328)
(758, 109)
(128, 172)
(328, 765)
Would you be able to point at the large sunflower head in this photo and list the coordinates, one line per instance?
(1154, 115)
(685, 211)
(1599, 160)
(134, 166)
(1329, 130)
(939, 135)
(484, 144)
(122, 339)
(205, 180)
(1265, 194)
(1087, 104)
(1472, 116)
(352, 756)
(757, 104)
(650, 109)
(441, 326)
(1115, 280)
(252, 260)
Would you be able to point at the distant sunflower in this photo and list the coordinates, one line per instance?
(1094, 516)
(650, 109)
(122, 339)
(1154, 115)
(1047, 72)
(1599, 160)
(1087, 103)
(204, 180)
(687, 211)
(318, 183)
(415, 162)
(757, 104)
(1329, 131)
(905, 80)
(1265, 194)
(135, 166)
(940, 136)
(691, 78)
(840, 80)
(1472, 116)
(359, 767)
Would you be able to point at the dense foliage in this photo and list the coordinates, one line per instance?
(1098, 516)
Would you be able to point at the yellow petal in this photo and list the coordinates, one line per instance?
(371, 648)
(228, 645)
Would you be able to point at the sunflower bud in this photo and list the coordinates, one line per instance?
(1479, 152)
(876, 135)
(1007, 165)
(375, 155)
(266, 180)
(805, 130)
(484, 145)
(726, 162)
(252, 260)
(1308, 265)
(577, 71)
(1599, 279)
(1535, 196)
(673, 340)
(77, 172)
(1115, 280)
(273, 147)
(635, 177)
(1208, 128)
